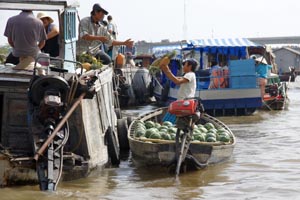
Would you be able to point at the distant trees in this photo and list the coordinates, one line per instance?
(4, 51)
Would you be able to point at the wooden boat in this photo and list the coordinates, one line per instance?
(39, 111)
(275, 97)
(151, 152)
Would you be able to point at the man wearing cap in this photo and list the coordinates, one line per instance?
(92, 34)
(26, 35)
(262, 69)
(187, 83)
(52, 43)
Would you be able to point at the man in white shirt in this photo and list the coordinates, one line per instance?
(187, 83)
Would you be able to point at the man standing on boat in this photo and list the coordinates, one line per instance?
(26, 35)
(92, 34)
(187, 83)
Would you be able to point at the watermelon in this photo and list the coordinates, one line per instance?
(173, 136)
(157, 125)
(210, 134)
(165, 136)
(172, 130)
(209, 126)
(139, 133)
(199, 137)
(195, 131)
(155, 135)
(150, 131)
(203, 130)
(211, 139)
(167, 123)
(149, 124)
(224, 138)
(163, 128)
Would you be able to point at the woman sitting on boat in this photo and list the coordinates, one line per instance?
(187, 83)
(262, 69)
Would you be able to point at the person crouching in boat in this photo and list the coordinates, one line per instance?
(262, 68)
(187, 82)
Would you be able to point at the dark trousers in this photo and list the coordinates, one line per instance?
(12, 59)
(104, 57)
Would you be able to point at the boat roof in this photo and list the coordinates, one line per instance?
(46, 5)
(222, 42)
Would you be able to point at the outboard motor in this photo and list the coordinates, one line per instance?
(187, 112)
(48, 97)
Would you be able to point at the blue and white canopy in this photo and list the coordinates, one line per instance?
(225, 42)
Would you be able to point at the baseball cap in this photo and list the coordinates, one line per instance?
(97, 7)
(191, 61)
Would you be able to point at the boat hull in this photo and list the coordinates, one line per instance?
(86, 148)
(162, 153)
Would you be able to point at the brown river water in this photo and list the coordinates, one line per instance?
(265, 165)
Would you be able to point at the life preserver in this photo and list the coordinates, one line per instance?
(219, 78)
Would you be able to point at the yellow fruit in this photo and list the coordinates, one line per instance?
(86, 66)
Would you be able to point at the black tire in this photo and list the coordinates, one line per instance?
(112, 147)
(122, 128)
(129, 120)
(118, 113)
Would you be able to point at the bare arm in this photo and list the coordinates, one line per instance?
(128, 43)
(54, 32)
(176, 80)
(41, 44)
(95, 37)
(10, 42)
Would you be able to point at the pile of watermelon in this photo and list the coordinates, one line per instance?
(167, 131)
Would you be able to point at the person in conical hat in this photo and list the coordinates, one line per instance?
(52, 43)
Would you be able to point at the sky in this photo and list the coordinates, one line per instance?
(156, 20)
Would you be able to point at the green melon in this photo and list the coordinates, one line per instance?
(157, 125)
(165, 136)
(209, 125)
(195, 131)
(139, 133)
(163, 128)
(199, 137)
(199, 126)
(172, 130)
(149, 124)
(155, 135)
(150, 131)
(203, 130)
(224, 138)
(210, 134)
(167, 123)
(211, 139)
(173, 136)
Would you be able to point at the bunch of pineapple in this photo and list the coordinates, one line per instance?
(89, 62)
(154, 67)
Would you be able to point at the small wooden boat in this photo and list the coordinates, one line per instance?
(275, 97)
(150, 152)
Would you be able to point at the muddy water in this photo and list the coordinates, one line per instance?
(265, 165)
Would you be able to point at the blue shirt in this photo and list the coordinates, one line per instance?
(262, 70)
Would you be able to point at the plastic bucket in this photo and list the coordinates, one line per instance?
(43, 59)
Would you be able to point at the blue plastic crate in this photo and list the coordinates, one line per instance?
(169, 117)
(242, 67)
(243, 82)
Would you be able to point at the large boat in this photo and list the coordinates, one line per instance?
(233, 91)
(56, 123)
(148, 151)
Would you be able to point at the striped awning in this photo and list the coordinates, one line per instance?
(225, 42)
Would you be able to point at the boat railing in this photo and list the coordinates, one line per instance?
(223, 82)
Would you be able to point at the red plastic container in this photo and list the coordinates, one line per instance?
(182, 108)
